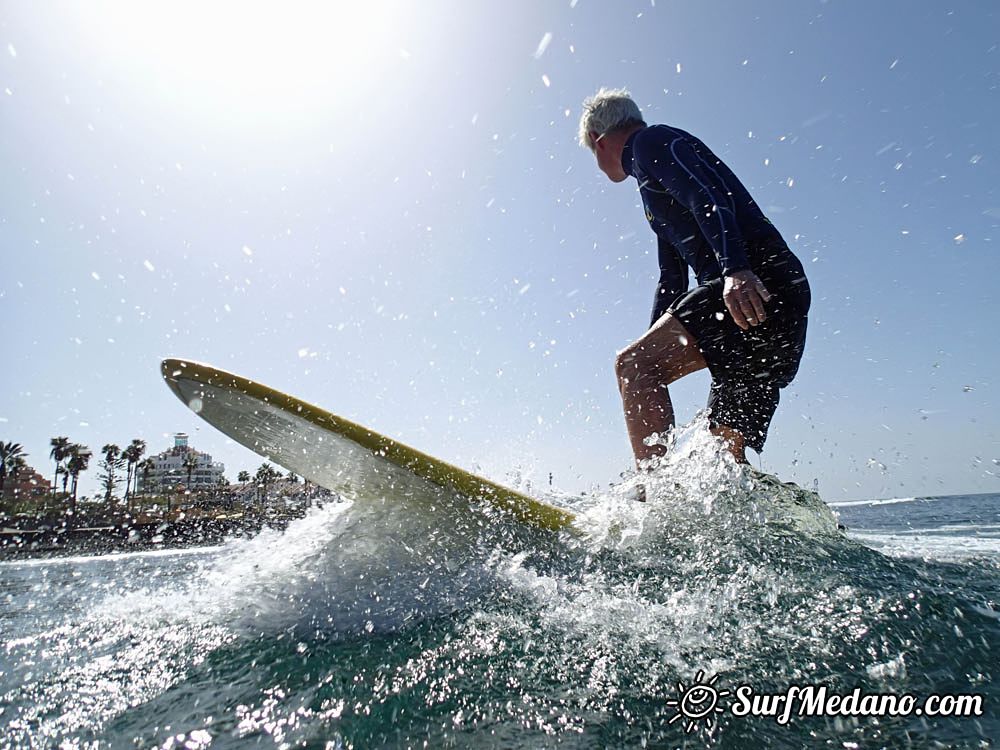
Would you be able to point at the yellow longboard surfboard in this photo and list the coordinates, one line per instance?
(335, 453)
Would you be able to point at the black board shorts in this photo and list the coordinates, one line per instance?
(749, 367)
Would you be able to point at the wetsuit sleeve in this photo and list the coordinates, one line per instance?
(673, 278)
(695, 185)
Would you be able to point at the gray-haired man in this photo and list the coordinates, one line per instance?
(746, 318)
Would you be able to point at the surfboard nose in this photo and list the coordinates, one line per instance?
(171, 367)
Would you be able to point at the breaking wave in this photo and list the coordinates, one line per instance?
(372, 623)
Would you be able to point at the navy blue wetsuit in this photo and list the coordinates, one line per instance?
(705, 220)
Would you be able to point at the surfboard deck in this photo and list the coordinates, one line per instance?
(336, 453)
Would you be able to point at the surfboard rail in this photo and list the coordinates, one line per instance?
(523, 508)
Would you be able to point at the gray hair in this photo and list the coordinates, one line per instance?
(606, 111)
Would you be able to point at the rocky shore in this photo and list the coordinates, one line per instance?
(27, 538)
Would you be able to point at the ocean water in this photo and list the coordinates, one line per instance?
(382, 624)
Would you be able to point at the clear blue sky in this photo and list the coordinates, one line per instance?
(381, 208)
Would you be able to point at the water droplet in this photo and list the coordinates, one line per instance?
(543, 45)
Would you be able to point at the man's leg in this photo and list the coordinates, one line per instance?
(734, 441)
(665, 353)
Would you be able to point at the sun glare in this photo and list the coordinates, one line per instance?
(268, 61)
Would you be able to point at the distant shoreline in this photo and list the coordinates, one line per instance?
(48, 540)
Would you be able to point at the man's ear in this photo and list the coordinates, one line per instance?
(595, 138)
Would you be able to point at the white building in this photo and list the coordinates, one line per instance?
(170, 469)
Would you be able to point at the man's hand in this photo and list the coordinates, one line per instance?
(745, 295)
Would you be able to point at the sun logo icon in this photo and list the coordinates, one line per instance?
(698, 702)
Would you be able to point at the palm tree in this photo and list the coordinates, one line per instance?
(243, 477)
(59, 453)
(12, 455)
(132, 454)
(79, 460)
(112, 462)
(265, 475)
(221, 485)
(65, 473)
(145, 469)
(135, 471)
(190, 463)
(20, 466)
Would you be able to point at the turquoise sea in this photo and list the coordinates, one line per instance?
(381, 624)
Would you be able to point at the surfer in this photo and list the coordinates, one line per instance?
(745, 320)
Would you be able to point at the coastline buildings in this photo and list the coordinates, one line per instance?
(27, 483)
(170, 469)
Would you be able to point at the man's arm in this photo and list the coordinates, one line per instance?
(673, 278)
(697, 186)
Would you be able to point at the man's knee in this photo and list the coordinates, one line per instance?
(623, 363)
(632, 363)
(640, 362)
